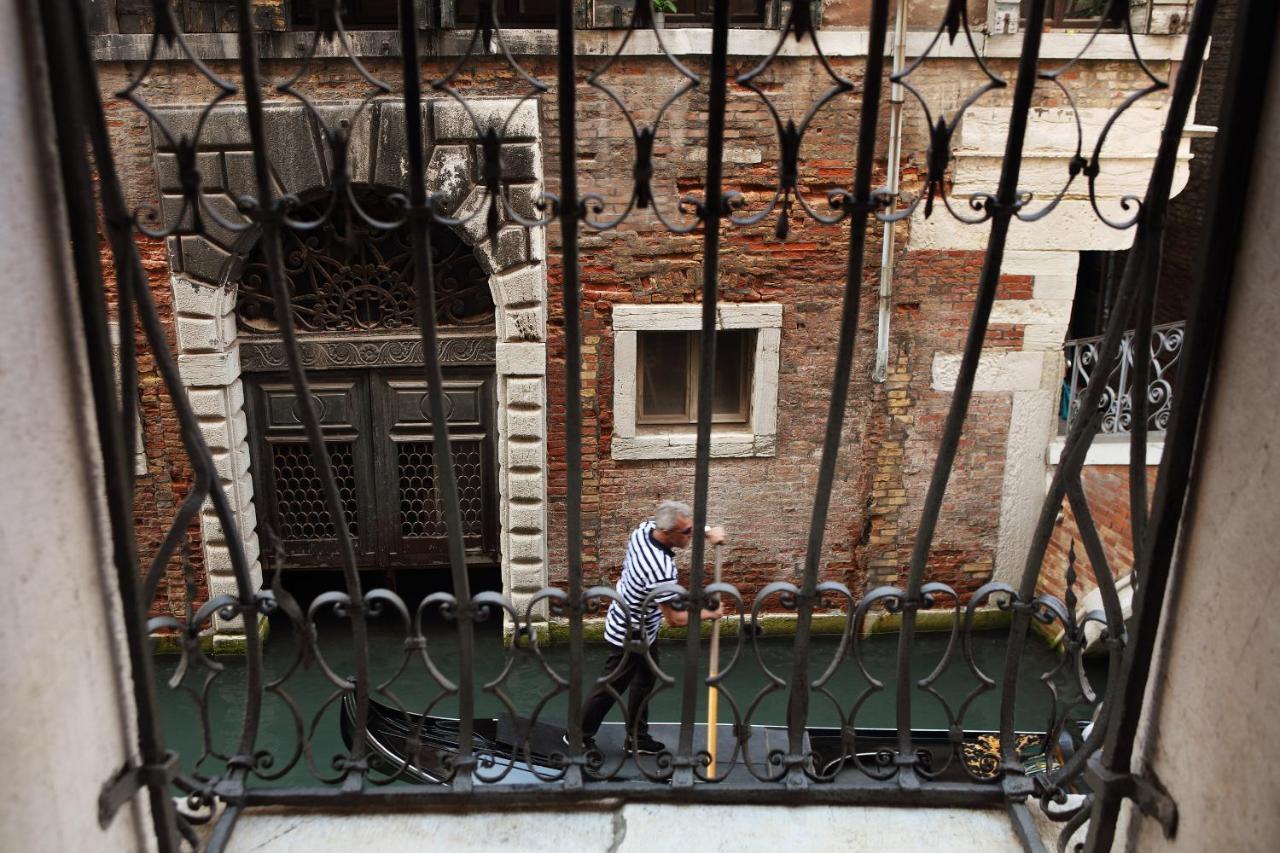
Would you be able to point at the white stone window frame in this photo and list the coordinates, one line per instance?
(757, 438)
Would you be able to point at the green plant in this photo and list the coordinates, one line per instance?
(665, 6)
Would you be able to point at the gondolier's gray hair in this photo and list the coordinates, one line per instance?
(670, 512)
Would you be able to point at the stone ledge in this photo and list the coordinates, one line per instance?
(684, 446)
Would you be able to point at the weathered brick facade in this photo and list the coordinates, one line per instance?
(891, 429)
(1107, 488)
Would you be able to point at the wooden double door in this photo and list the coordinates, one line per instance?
(378, 435)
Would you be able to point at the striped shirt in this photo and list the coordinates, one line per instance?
(647, 564)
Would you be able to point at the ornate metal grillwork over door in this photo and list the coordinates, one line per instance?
(377, 430)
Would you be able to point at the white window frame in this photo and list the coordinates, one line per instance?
(757, 437)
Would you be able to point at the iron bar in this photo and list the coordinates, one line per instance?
(1235, 148)
(713, 212)
(59, 29)
(421, 211)
(861, 790)
(1080, 434)
(270, 214)
(1006, 203)
(134, 289)
(570, 215)
(861, 204)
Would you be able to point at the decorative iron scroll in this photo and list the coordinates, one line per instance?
(340, 353)
(1116, 404)
(346, 265)
(355, 274)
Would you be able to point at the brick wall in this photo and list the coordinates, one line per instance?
(167, 480)
(891, 430)
(1107, 489)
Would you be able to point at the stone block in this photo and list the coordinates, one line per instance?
(293, 146)
(523, 547)
(334, 114)
(526, 518)
(205, 334)
(241, 180)
(208, 402)
(527, 578)
(203, 259)
(513, 118)
(997, 371)
(520, 163)
(527, 391)
(226, 127)
(217, 434)
(521, 288)
(523, 424)
(523, 199)
(528, 324)
(198, 299)
(521, 359)
(688, 316)
(525, 487)
(451, 174)
(209, 164)
(526, 455)
(205, 370)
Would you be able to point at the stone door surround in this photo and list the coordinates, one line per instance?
(204, 292)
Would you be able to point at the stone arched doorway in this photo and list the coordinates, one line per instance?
(354, 305)
(213, 354)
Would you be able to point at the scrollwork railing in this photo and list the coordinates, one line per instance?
(1116, 405)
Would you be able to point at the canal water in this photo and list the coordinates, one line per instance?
(526, 684)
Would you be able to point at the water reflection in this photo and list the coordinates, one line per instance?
(527, 684)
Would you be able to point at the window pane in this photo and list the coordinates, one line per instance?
(664, 377)
(733, 359)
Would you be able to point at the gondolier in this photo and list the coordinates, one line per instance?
(648, 564)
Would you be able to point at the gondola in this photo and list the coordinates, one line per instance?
(501, 741)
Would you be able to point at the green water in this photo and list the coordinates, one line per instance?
(526, 684)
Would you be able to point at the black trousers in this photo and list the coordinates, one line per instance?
(634, 672)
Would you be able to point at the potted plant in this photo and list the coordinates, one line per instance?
(660, 10)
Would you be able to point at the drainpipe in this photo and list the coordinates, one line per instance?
(896, 93)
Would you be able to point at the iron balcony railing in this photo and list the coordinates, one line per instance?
(234, 770)
(1116, 406)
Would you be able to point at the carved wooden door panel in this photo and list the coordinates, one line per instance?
(378, 433)
(411, 514)
(290, 500)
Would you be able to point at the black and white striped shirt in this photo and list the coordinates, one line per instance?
(647, 564)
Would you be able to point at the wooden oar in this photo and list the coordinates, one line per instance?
(713, 695)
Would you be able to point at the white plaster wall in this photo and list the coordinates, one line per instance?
(1215, 691)
(67, 711)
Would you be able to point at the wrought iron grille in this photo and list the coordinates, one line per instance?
(300, 495)
(1116, 404)
(346, 274)
(784, 767)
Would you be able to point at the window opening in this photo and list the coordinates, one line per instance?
(667, 381)
(511, 13)
(697, 13)
(356, 14)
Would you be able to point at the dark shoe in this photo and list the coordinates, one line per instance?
(645, 744)
(588, 742)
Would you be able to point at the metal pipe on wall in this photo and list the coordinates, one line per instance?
(896, 94)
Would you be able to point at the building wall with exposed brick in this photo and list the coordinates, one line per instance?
(891, 430)
(1106, 487)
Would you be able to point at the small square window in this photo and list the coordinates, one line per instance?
(657, 360)
(667, 376)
